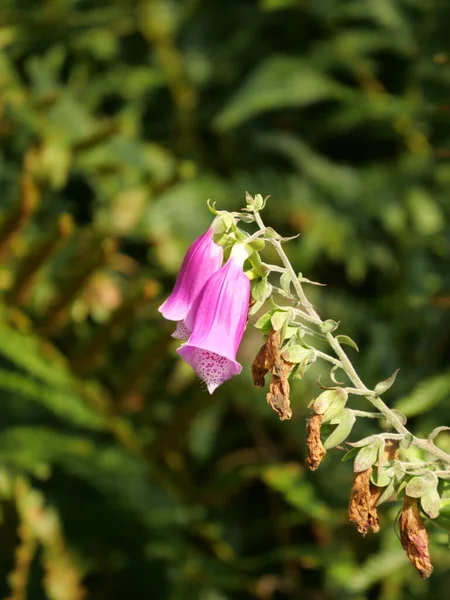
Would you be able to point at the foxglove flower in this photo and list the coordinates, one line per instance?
(217, 321)
(203, 258)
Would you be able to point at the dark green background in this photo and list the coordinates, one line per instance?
(119, 473)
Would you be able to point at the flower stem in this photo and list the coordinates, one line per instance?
(344, 361)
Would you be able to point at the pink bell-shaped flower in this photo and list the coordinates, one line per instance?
(203, 258)
(217, 321)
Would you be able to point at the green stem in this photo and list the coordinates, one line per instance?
(344, 361)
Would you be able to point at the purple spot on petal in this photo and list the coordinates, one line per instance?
(181, 332)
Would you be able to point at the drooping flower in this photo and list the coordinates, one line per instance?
(217, 321)
(203, 258)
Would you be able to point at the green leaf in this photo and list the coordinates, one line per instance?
(120, 476)
(345, 339)
(278, 82)
(383, 386)
(342, 431)
(62, 402)
(34, 356)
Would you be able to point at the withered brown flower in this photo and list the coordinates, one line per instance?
(269, 359)
(316, 450)
(362, 508)
(414, 537)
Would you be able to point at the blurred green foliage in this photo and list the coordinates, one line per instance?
(120, 477)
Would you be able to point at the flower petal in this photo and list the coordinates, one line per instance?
(217, 322)
(203, 258)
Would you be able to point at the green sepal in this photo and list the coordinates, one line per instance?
(345, 339)
(264, 322)
(419, 485)
(271, 234)
(285, 283)
(349, 454)
(407, 440)
(433, 435)
(332, 375)
(322, 402)
(224, 239)
(279, 318)
(336, 405)
(431, 503)
(297, 354)
(304, 280)
(388, 491)
(255, 308)
(381, 479)
(257, 245)
(255, 261)
(367, 456)
(258, 202)
(329, 326)
(383, 386)
(380, 462)
(261, 290)
(342, 431)
(252, 274)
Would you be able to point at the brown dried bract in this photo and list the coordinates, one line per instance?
(316, 450)
(278, 396)
(414, 537)
(391, 449)
(362, 508)
(269, 359)
(259, 368)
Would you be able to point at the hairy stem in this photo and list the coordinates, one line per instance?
(344, 361)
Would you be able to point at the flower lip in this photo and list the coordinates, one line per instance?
(211, 367)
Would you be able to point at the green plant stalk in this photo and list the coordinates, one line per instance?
(345, 363)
